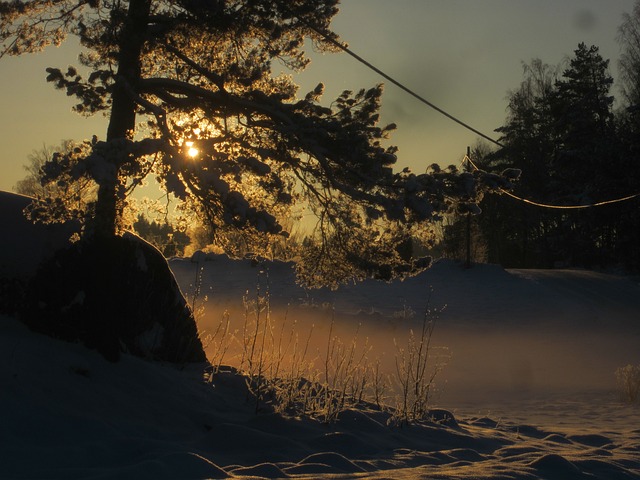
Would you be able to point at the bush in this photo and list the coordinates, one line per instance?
(417, 366)
(282, 373)
(628, 379)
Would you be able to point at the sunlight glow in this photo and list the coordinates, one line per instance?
(191, 150)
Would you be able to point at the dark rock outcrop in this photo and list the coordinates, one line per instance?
(113, 294)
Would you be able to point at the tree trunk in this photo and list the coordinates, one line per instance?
(123, 116)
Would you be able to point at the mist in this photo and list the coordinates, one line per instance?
(501, 339)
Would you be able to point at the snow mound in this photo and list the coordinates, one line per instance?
(70, 414)
(67, 413)
(25, 244)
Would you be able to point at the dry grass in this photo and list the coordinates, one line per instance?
(628, 379)
(287, 372)
(417, 366)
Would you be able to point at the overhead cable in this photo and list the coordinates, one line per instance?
(423, 100)
(557, 207)
(400, 85)
(571, 207)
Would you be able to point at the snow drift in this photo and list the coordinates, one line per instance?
(529, 380)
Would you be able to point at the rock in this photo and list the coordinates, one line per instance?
(24, 246)
(442, 417)
(113, 294)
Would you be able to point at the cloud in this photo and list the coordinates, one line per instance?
(585, 20)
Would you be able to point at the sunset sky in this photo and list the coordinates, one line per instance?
(462, 55)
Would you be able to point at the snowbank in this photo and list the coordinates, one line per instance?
(516, 338)
(25, 244)
(68, 413)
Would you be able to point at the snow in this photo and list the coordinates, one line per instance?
(529, 378)
(519, 344)
(25, 244)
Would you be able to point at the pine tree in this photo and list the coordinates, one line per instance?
(572, 152)
(581, 106)
(628, 119)
(192, 98)
(585, 165)
(516, 233)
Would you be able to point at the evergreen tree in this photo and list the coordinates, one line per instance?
(516, 233)
(581, 107)
(564, 136)
(585, 166)
(629, 133)
(192, 99)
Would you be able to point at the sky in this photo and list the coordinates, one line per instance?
(462, 55)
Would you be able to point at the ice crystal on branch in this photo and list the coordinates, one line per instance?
(174, 75)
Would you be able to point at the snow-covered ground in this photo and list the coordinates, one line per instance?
(529, 375)
(534, 346)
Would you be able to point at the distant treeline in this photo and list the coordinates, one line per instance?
(576, 147)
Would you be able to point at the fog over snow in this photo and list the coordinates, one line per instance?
(527, 356)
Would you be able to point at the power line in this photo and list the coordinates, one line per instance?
(570, 207)
(400, 85)
(557, 207)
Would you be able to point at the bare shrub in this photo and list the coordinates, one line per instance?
(628, 380)
(345, 376)
(219, 342)
(283, 375)
(379, 385)
(197, 303)
(257, 344)
(293, 388)
(417, 365)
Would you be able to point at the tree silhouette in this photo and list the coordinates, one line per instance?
(629, 63)
(562, 133)
(71, 197)
(193, 99)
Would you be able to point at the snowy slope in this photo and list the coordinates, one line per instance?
(23, 243)
(529, 378)
(476, 296)
(67, 413)
(508, 331)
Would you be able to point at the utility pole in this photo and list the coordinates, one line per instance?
(468, 239)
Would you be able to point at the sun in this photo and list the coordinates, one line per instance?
(191, 150)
